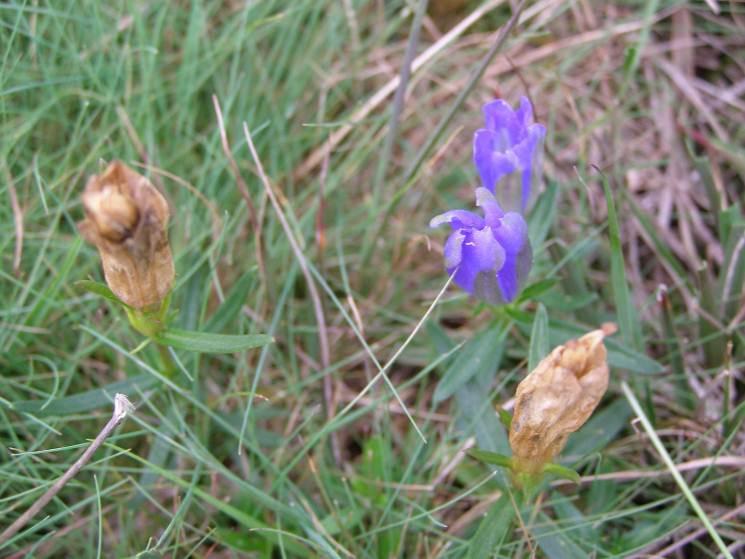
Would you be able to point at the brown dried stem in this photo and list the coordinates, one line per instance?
(122, 408)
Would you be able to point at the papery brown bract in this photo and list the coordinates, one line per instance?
(556, 399)
(126, 219)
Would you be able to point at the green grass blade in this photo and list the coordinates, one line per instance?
(540, 346)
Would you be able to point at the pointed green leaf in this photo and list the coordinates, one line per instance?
(505, 417)
(205, 342)
(628, 320)
(100, 289)
(490, 458)
(539, 341)
(562, 472)
(492, 530)
(535, 289)
(485, 350)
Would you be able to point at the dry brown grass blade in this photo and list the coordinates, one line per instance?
(122, 408)
(254, 218)
(312, 289)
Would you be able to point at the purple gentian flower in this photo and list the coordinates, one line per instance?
(490, 255)
(510, 147)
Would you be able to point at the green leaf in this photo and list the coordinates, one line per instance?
(231, 306)
(485, 350)
(619, 356)
(535, 289)
(628, 321)
(100, 289)
(562, 472)
(242, 541)
(205, 342)
(488, 457)
(554, 542)
(539, 341)
(542, 216)
(492, 530)
(505, 417)
(599, 431)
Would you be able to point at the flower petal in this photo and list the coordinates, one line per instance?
(453, 250)
(491, 162)
(524, 113)
(458, 219)
(515, 272)
(512, 232)
(500, 117)
(528, 155)
(480, 254)
(492, 211)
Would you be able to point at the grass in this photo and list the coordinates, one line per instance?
(346, 436)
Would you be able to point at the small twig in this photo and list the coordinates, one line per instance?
(122, 408)
(328, 388)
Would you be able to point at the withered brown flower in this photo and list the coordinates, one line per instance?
(127, 219)
(557, 398)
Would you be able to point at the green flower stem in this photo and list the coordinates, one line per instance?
(151, 324)
(168, 365)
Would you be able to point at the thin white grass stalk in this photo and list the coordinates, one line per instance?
(312, 287)
(674, 470)
(313, 290)
(633, 475)
(122, 408)
(429, 514)
(383, 370)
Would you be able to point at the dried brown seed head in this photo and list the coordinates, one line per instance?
(127, 218)
(557, 398)
(114, 213)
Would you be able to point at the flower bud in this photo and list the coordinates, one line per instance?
(127, 218)
(557, 398)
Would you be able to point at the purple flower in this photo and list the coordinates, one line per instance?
(490, 255)
(509, 147)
